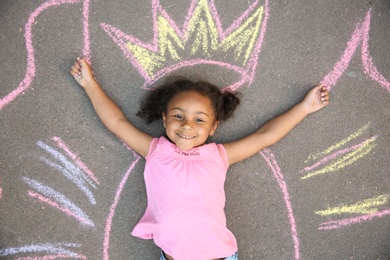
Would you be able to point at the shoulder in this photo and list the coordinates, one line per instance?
(217, 151)
(157, 142)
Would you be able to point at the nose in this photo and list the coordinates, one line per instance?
(187, 125)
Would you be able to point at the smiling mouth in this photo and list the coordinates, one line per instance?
(185, 136)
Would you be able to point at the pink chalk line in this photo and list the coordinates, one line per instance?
(272, 163)
(247, 73)
(1, 191)
(74, 157)
(369, 67)
(361, 34)
(166, 71)
(338, 153)
(87, 44)
(57, 206)
(30, 73)
(107, 230)
(349, 221)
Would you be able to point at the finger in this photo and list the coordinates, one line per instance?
(77, 65)
(324, 89)
(74, 71)
(324, 92)
(326, 98)
(318, 87)
(74, 74)
(82, 62)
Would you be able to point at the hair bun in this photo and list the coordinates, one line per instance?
(229, 104)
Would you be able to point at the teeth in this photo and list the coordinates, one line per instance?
(185, 136)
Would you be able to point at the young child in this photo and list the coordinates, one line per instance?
(185, 177)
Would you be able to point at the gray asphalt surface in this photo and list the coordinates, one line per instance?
(69, 189)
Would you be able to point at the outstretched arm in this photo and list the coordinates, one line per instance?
(109, 112)
(276, 128)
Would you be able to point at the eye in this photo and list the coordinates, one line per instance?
(199, 120)
(178, 117)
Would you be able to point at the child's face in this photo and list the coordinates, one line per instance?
(189, 120)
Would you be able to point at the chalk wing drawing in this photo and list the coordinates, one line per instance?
(65, 162)
(173, 48)
(330, 162)
(61, 159)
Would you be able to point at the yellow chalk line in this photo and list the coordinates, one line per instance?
(166, 30)
(167, 40)
(344, 161)
(361, 207)
(243, 35)
(203, 28)
(201, 40)
(148, 60)
(339, 144)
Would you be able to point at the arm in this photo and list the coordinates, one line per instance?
(109, 112)
(276, 128)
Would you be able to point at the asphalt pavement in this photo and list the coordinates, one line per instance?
(69, 189)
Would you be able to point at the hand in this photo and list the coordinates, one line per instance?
(316, 99)
(82, 72)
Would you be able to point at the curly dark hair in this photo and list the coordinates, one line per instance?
(156, 101)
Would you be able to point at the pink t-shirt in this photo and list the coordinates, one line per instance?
(186, 199)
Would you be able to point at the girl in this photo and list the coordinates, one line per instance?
(185, 177)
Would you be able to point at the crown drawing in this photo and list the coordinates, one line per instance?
(200, 38)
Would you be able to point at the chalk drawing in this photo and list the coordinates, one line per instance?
(70, 171)
(161, 57)
(338, 153)
(170, 45)
(107, 230)
(31, 70)
(366, 206)
(1, 191)
(202, 26)
(87, 44)
(57, 200)
(54, 249)
(75, 158)
(353, 154)
(360, 35)
(336, 224)
(50, 257)
(269, 157)
(339, 144)
(74, 172)
(348, 155)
